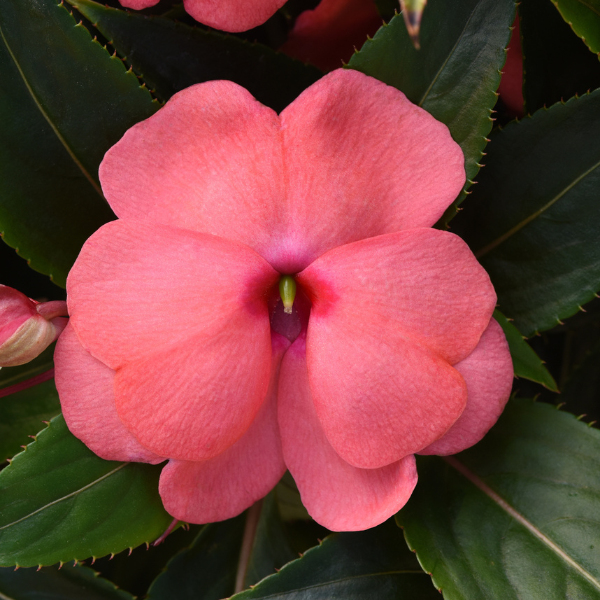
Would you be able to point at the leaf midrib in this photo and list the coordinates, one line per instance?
(517, 516)
(505, 236)
(58, 500)
(62, 140)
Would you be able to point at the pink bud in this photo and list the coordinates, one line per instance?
(27, 327)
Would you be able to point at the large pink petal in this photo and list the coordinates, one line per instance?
(361, 160)
(488, 373)
(328, 35)
(87, 398)
(210, 160)
(389, 316)
(221, 488)
(183, 319)
(336, 494)
(232, 15)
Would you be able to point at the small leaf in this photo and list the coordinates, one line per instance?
(526, 362)
(584, 18)
(455, 74)
(22, 413)
(368, 564)
(172, 56)
(64, 102)
(60, 502)
(535, 214)
(556, 64)
(517, 516)
(68, 583)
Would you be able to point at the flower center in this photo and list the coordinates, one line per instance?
(289, 310)
(287, 291)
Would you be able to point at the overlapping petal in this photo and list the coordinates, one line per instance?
(215, 160)
(183, 319)
(87, 399)
(221, 488)
(488, 373)
(337, 495)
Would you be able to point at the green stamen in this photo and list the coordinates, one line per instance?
(287, 290)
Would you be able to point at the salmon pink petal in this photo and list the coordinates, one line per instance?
(232, 15)
(210, 160)
(488, 373)
(336, 494)
(341, 149)
(222, 487)
(85, 386)
(183, 319)
(138, 4)
(328, 35)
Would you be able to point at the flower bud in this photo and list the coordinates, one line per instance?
(27, 327)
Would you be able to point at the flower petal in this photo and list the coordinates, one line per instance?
(221, 488)
(85, 387)
(138, 4)
(488, 373)
(328, 35)
(336, 494)
(183, 319)
(210, 160)
(365, 160)
(232, 15)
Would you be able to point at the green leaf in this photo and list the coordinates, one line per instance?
(211, 564)
(517, 516)
(556, 64)
(10, 376)
(368, 564)
(22, 414)
(584, 17)
(64, 102)
(172, 56)
(526, 362)
(535, 214)
(68, 583)
(455, 74)
(60, 502)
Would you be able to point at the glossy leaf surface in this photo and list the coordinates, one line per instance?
(22, 413)
(517, 516)
(526, 362)
(368, 564)
(535, 214)
(172, 56)
(64, 102)
(60, 502)
(68, 583)
(454, 75)
(584, 18)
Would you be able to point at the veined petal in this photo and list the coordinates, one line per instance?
(337, 495)
(365, 161)
(488, 373)
(87, 399)
(224, 486)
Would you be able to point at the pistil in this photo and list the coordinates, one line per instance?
(287, 291)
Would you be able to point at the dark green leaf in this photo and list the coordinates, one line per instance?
(60, 502)
(368, 564)
(455, 74)
(526, 362)
(22, 413)
(517, 516)
(172, 56)
(64, 102)
(584, 17)
(557, 64)
(50, 583)
(10, 376)
(535, 214)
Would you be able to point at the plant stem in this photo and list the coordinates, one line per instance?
(247, 543)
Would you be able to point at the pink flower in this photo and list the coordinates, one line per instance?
(226, 15)
(27, 327)
(327, 35)
(178, 347)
